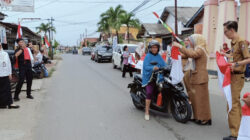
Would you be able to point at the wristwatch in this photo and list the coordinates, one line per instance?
(237, 64)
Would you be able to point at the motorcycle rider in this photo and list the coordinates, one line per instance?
(148, 68)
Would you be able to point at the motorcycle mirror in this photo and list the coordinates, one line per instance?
(153, 63)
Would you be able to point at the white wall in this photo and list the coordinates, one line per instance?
(171, 22)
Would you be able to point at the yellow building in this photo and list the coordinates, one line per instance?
(123, 32)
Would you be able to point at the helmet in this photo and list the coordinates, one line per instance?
(153, 43)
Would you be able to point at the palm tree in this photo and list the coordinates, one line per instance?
(104, 26)
(46, 28)
(129, 20)
(113, 17)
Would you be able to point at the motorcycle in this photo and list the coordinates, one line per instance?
(173, 96)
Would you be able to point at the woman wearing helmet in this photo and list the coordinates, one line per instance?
(148, 68)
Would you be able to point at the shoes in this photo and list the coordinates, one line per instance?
(209, 122)
(230, 138)
(30, 97)
(146, 117)
(247, 79)
(13, 106)
(16, 99)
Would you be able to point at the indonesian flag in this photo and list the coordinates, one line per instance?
(131, 60)
(244, 132)
(224, 77)
(46, 42)
(176, 69)
(19, 31)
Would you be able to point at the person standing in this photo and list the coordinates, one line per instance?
(24, 60)
(199, 78)
(126, 65)
(239, 53)
(5, 77)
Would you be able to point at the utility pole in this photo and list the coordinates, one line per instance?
(176, 22)
(51, 36)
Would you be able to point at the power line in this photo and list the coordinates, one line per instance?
(139, 6)
(148, 6)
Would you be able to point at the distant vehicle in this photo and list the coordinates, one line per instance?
(93, 54)
(75, 51)
(103, 53)
(86, 50)
(117, 53)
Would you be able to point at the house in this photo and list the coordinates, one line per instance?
(155, 31)
(11, 32)
(89, 41)
(184, 15)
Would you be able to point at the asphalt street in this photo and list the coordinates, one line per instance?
(85, 100)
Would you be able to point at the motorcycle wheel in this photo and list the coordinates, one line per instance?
(181, 110)
(137, 106)
(41, 75)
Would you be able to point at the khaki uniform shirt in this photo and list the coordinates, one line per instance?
(239, 53)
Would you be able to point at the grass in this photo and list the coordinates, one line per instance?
(51, 71)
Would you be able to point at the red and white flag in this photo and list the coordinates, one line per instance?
(176, 69)
(131, 60)
(46, 42)
(19, 31)
(244, 132)
(224, 77)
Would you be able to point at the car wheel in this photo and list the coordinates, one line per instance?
(98, 60)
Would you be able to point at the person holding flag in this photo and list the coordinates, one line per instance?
(239, 53)
(24, 60)
(199, 78)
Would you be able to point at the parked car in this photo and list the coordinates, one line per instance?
(117, 53)
(103, 53)
(74, 51)
(86, 50)
(92, 57)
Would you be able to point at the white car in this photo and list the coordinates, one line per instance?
(118, 51)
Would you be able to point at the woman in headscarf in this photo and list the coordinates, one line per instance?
(148, 68)
(199, 78)
(5, 77)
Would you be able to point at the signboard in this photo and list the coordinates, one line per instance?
(18, 5)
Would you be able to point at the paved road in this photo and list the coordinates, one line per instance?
(89, 101)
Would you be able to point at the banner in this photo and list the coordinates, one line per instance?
(18, 5)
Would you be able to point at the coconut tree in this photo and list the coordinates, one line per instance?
(113, 17)
(46, 28)
(104, 26)
(130, 21)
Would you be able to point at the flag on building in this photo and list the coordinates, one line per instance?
(224, 77)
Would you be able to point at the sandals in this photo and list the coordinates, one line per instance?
(209, 122)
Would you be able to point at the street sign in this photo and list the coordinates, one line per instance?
(17, 5)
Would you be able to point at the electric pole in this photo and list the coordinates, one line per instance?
(176, 22)
(51, 36)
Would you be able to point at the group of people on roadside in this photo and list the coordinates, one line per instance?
(25, 57)
(195, 55)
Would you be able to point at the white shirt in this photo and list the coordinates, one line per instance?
(39, 57)
(5, 64)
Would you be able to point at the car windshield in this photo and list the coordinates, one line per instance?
(86, 49)
(105, 49)
(131, 49)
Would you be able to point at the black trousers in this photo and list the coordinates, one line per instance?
(5, 91)
(24, 72)
(126, 69)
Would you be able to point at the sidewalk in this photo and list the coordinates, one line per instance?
(17, 124)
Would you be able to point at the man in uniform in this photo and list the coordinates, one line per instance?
(24, 58)
(239, 52)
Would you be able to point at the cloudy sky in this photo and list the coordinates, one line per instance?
(73, 17)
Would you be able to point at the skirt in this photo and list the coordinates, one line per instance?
(5, 91)
(200, 102)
